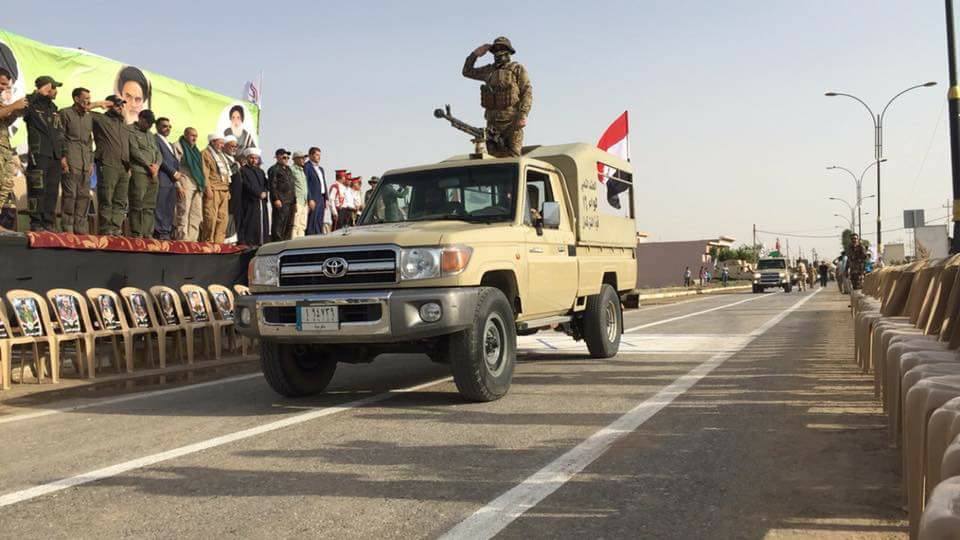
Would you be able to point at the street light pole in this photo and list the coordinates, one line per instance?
(858, 182)
(953, 100)
(877, 120)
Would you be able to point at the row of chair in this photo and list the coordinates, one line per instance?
(101, 315)
(907, 334)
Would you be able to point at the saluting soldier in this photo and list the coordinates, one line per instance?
(144, 176)
(112, 158)
(506, 95)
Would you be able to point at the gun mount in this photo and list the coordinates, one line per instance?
(481, 136)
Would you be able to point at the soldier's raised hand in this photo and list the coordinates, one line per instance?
(481, 50)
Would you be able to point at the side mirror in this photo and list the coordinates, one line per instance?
(551, 215)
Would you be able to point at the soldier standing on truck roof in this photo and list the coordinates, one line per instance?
(506, 95)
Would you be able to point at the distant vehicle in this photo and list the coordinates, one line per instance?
(772, 272)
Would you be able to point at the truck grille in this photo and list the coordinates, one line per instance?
(769, 279)
(364, 266)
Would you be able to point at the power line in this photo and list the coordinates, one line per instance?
(829, 236)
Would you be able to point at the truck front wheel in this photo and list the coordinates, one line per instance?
(602, 323)
(482, 357)
(296, 370)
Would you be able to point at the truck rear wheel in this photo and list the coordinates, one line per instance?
(296, 370)
(482, 357)
(602, 323)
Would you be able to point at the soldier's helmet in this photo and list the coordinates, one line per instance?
(502, 43)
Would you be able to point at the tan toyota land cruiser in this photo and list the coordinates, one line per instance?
(453, 260)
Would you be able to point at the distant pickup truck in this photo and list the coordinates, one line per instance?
(772, 272)
(453, 260)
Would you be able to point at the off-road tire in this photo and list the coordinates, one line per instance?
(296, 370)
(600, 332)
(757, 289)
(483, 356)
(787, 288)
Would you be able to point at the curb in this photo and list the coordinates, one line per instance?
(695, 292)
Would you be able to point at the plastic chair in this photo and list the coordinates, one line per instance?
(163, 295)
(108, 306)
(31, 312)
(163, 324)
(9, 338)
(941, 519)
(201, 307)
(80, 322)
(225, 308)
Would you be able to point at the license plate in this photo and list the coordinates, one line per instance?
(314, 317)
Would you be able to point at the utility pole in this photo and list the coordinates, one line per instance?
(953, 100)
(754, 236)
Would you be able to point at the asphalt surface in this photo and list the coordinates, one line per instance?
(732, 416)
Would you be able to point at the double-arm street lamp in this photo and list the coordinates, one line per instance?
(852, 207)
(877, 120)
(858, 181)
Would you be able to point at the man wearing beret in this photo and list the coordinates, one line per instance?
(45, 150)
(283, 196)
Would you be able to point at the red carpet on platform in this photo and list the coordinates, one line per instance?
(137, 245)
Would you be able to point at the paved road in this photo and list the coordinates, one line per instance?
(735, 416)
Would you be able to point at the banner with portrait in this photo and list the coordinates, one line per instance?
(184, 104)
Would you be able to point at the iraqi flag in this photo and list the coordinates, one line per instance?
(614, 189)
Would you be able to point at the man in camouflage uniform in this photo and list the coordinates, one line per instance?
(144, 176)
(856, 262)
(506, 95)
(8, 161)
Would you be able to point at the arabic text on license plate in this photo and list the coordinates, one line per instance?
(318, 318)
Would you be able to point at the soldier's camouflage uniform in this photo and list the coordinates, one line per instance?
(856, 265)
(506, 96)
(8, 163)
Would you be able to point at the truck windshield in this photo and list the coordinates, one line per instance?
(484, 194)
(772, 264)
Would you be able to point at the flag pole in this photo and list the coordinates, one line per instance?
(260, 106)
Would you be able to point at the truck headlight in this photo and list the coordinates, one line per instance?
(426, 263)
(264, 270)
(420, 263)
(756, 275)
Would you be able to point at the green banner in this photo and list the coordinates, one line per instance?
(184, 104)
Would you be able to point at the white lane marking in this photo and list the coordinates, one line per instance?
(704, 344)
(494, 517)
(123, 399)
(120, 468)
(694, 314)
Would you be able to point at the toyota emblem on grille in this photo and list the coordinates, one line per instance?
(335, 267)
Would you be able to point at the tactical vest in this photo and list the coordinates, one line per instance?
(501, 91)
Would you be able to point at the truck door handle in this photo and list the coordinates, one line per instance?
(536, 250)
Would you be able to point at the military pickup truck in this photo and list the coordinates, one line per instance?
(453, 260)
(773, 272)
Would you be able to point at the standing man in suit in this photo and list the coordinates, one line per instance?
(316, 193)
(169, 178)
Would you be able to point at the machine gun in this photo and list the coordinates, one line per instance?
(481, 136)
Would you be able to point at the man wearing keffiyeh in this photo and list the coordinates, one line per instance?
(190, 187)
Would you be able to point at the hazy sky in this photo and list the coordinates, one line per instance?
(729, 125)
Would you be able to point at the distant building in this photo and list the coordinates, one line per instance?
(661, 264)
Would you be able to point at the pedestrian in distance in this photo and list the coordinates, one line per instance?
(687, 277)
